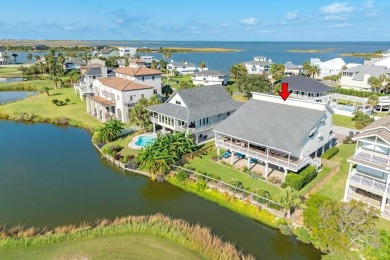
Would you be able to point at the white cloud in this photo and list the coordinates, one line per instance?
(249, 21)
(337, 8)
(225, 25)
(339, 26)
(336, 17)
(292, 15)
(368, 4)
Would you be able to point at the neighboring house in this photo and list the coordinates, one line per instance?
(108, 52)
(114, 96)
(74, 64)
(328, 68)
(142, 61)
(5, 57)
(96, 63)
(85, 85)
(357, 77)
(292, 69)
(386, 53)
(210, 77)
(307, 88)
(369, 171)
(39, 47)
(196, 111)
(378, 62)
(127, 51)
(287, 134)
(183, 68)
(259, 65)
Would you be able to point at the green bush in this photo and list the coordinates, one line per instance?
(299, 180)
(328, 154)
(285, 229)
(201, 185)
(236, 183)
(356, 93)
(181, 176)
(302, 235)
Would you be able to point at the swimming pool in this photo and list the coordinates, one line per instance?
(145, 140)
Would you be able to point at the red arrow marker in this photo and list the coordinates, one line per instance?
(284, 93)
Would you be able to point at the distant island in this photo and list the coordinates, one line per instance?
(312, 51)
(366, 55)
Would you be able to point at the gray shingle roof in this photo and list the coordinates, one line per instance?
(290, 65)
(360, 71)
(279, 126)
(201, 102)
(211, 73)
(76, 60)
(97, 71)
(306, 84)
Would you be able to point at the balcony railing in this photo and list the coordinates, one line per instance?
(368, 182)
(294, 166)
(184, 128)
(129, 104)
(371, 156)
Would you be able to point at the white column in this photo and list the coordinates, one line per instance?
(88, 106)
(347, 184)
(218, 151)
(383, 204)
(285, 174)
(232, 157)
(103, 109)
(154, 128)
(163, 130)
(266, 170)
(248, 163)
(196, 138)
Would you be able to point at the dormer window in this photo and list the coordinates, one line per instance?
(178, 102)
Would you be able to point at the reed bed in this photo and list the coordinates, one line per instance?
(195, 237)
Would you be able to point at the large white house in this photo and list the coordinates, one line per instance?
(127, 51)
(5, 57)
(114, 96)
(196, 111)
(210, 77)
(287, 134)
(259, 65)
(329, 67)
(292, 69)
(183, 68)
(85, 84)
(357, 77)
(369, 169)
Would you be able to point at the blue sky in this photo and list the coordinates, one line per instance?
(245, 20)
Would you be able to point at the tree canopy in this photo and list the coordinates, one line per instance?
(253, 83)
(109, 131)
(238, 70)
(361, 119)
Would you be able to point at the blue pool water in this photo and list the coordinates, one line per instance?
(145, 140)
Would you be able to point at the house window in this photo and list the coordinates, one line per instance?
(178, 102)
(131, 98)
(142, 95)
(152, 77)
(155, 91)
(143, 78)
(228, 113)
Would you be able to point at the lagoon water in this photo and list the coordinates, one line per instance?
(276, 51)
(8, 96)
(51, 175)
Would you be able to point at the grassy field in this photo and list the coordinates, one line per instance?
(124, 141)
(42, 106)
(344, 121)
(117, 247)
(10, 72)
(335, 187)
(174, 81)
(204, 164)
(28, 85)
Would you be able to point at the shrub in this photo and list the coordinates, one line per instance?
(201, 185)
(214, 158)
(302, 235)
(118, 157)
(181, 176)
(285, 229)
(328, 154)
(132, 164)
(299, 180)
(274, 206)
(236, 183)
(125, 159)
(275, 180)
(348, 140)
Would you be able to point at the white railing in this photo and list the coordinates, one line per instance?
(371, 156)
(183, 128)
(368, 182)
(264, 157)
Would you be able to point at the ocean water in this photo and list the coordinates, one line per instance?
(276, 51)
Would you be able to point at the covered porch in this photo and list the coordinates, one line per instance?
(101, 108)
(261, 154)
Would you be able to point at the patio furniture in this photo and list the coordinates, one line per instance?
(226, 154)
(253, 160)
(239, 155)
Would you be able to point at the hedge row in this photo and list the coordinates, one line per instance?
(330, 153)
(357, 93)
(299, 180)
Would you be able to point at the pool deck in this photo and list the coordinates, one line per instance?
(132, 144)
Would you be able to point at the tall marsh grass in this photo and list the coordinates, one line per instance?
(195, 237)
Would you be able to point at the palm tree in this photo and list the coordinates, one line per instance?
(29, 57)
(289, 198)
(238, 70)
(154, 64)
(14, 56)
(110, 130)
(166, 54)
(373, 100)
(315, 70)
(74, 75)
(202, 65)
(167, 89)
(375, 83)
(139, 115)
(46, 90)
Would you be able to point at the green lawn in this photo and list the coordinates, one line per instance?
(325, 170)
(116, 247)
(204, 164)
(344, 121)
(335, 187)
(174, 79)
(10, 72)
(124, 141)
(42, 106)
(28, 85)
